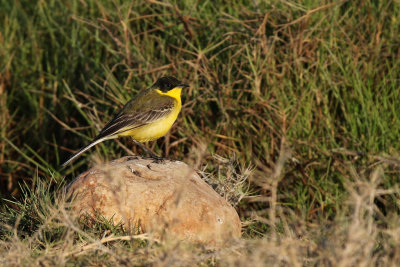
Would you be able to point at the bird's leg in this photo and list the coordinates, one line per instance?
(148, 151)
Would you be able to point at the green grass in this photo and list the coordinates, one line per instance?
(305, 95)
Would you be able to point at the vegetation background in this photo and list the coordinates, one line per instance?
(293, 115)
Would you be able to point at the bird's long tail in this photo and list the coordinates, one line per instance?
(74, 156)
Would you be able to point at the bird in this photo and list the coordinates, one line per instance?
(146, 117)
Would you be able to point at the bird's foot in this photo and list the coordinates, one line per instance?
(157, 159)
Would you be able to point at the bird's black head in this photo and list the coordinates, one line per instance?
(167, 83)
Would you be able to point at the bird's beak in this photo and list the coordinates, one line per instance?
(183, 86)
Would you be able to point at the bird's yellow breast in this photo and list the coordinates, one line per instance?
(159, 128)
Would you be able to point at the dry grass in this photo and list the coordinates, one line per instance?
(360, 234)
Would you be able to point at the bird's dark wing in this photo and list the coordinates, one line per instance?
(137, 113)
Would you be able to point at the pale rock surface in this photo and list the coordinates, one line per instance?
(156, 196)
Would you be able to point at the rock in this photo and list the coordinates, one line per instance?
(168, 196)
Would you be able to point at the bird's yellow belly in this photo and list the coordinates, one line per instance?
(154, 130)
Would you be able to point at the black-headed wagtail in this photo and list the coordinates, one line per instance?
(146, 117)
